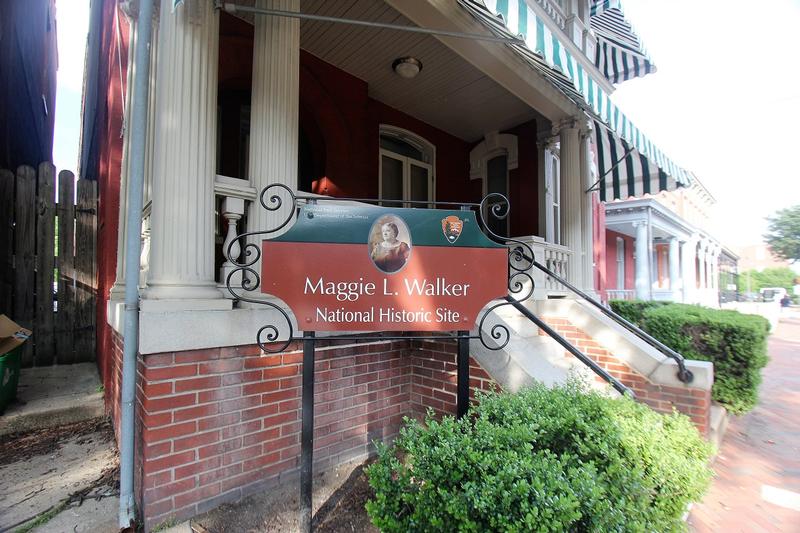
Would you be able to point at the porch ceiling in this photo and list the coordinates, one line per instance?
(449, 93)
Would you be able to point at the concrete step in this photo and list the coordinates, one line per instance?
(53, 396)
(717, 424)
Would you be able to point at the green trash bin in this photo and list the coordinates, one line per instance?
(12, 337)
(9, 377)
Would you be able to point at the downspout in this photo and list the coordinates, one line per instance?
(133, 250)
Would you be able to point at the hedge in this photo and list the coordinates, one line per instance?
(634, 310)
(560, 459)
(734, 342)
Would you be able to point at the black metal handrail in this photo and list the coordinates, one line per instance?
(684, 374)
(583, 358)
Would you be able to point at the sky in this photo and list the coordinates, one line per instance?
(725, 102)
(72, 24)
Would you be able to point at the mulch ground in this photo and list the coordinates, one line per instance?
(344, 511)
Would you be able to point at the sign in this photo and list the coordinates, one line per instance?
(368, 268)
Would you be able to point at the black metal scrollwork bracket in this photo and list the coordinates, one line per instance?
(243, 281)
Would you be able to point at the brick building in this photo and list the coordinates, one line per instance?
(241, 101)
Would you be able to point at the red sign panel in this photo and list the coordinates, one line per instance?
(407, 273)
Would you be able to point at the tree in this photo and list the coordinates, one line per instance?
(753, 280)
(784, 233)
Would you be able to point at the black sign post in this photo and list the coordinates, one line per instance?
(270, 339)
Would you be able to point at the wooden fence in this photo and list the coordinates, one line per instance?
(48, 262)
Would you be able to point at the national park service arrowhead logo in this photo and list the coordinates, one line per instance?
(451, 227)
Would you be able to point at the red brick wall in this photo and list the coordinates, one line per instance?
(694, 403)
(223, 423)
(219, 424)
(112, 379)
(434, 375)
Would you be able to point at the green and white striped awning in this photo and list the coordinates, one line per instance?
(620, 54)
(546, 54)
(624, 171)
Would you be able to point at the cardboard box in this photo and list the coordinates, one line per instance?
(11, 335)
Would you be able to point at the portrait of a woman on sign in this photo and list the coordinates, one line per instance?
(389, 243)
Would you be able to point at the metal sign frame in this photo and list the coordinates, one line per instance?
(244, 280)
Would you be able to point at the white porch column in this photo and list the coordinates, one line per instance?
(716, 269)
(642, 260)
(587, 213)
(182, 245)
(701, 264)
(713, 262)
(688, 256)
(274, 111)
(675, 281)
(572, 201)
(118, 289)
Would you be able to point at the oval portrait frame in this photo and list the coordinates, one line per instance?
(387, 258)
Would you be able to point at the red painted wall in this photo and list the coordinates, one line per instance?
(105, 166)
(342, 122)
(611, 261)
(599, 245)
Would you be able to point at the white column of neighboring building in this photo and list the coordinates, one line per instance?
(182, 220)
(642, 260)
(688, 257)
(587, 220)
(274, 111)
(572, 201)
(675, 280)
(714, 269)
(701, 267)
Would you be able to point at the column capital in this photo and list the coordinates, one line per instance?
(571, 123)
(547, 141)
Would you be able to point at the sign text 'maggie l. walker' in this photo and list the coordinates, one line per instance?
(371, 268)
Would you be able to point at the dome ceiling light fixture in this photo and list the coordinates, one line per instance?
(407, 67)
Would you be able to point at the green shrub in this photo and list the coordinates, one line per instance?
(634, 310)
(734, 342)
(560, 459)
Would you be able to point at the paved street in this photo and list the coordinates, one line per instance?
(757, 487)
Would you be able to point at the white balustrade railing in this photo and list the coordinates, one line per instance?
(234, 192)
(620, 294)
(556, 258)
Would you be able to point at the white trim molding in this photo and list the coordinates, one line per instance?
(492, 145)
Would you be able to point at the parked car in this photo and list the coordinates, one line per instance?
(773, 294)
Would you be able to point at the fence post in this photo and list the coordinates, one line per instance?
(65, 342)
(6, 242)
(85, 234)
(44, 340)
(25, 236)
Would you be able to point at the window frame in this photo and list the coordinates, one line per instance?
(428, 151)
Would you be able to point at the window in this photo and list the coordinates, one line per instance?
(620, 263)
(497, 182)
(552, 196)
(406, 167)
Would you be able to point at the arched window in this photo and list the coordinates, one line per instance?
(406, 167)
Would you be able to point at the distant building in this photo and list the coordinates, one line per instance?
(659, 248)
(759, 257)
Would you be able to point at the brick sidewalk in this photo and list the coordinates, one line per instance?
(757, 487)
